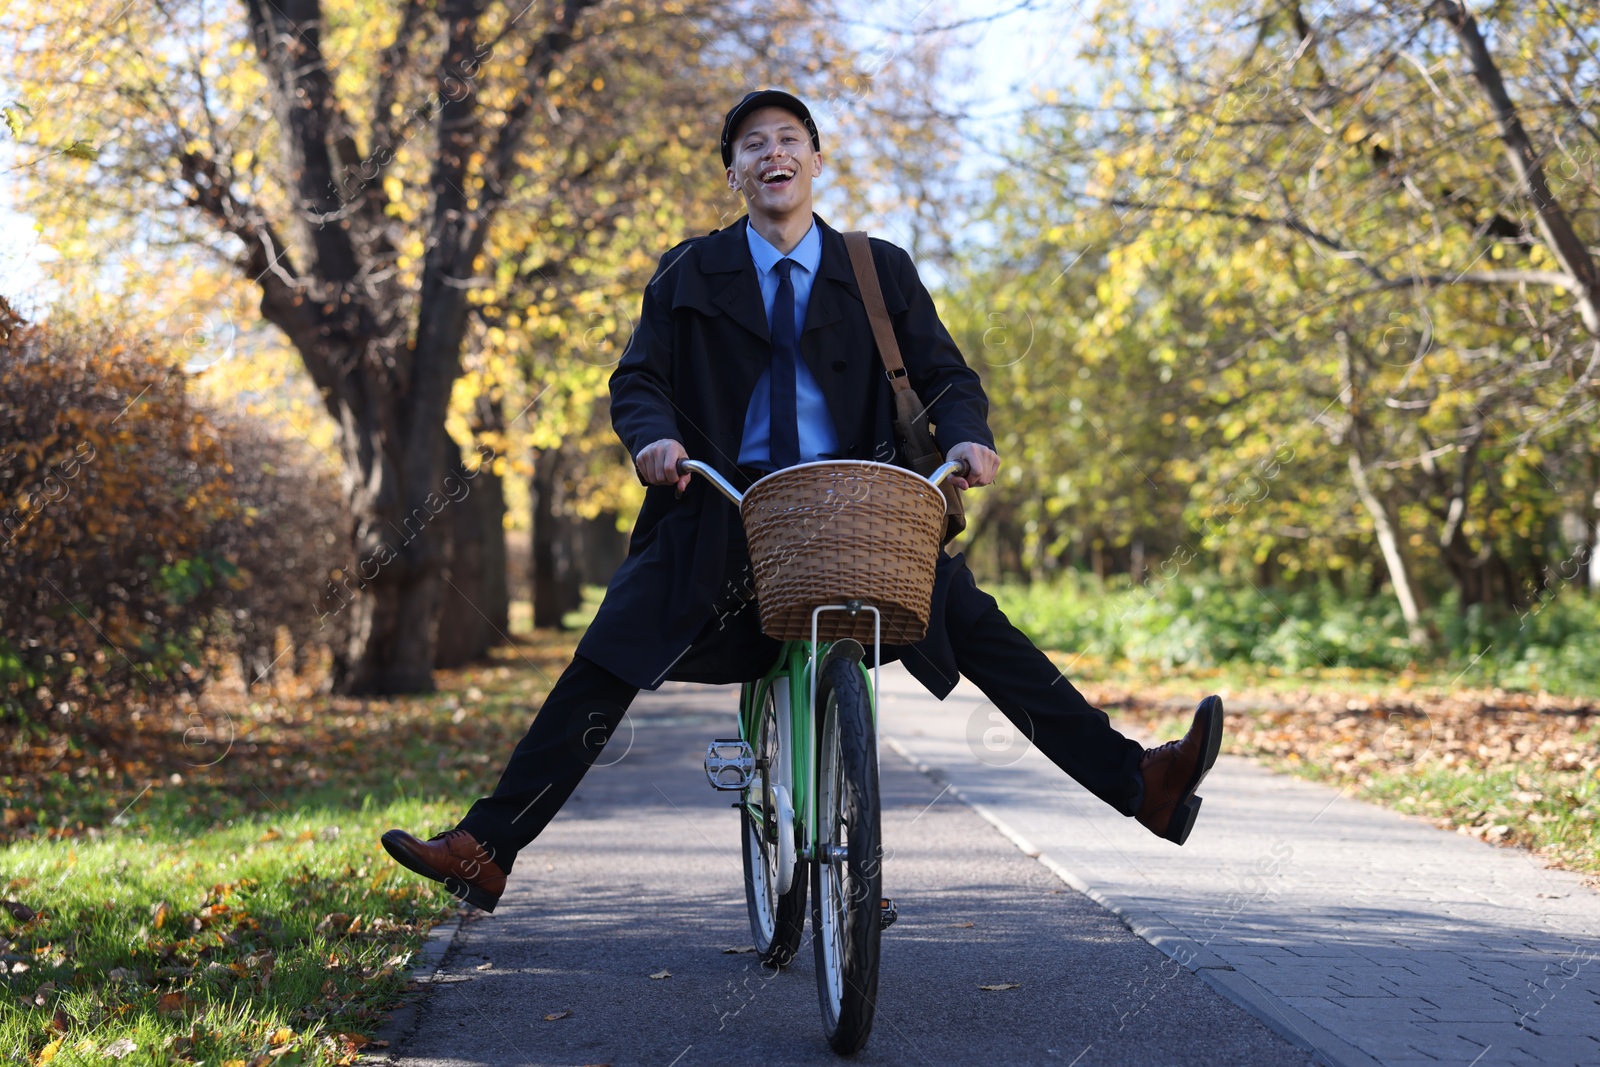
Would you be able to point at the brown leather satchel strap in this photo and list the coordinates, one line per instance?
(877, 312)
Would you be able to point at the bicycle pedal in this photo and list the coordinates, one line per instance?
(730, 764)
(887, 913)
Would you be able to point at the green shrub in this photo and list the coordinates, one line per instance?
(1201, 621)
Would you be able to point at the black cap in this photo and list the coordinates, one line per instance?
(755, 102)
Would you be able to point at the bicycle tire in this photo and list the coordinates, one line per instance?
(846, 887)
(777, 920)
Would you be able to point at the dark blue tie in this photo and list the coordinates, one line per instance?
(784, 433)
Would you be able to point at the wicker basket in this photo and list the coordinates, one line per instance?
(839, 530)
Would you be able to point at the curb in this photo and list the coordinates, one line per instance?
(425, 969)
(1281, 1018)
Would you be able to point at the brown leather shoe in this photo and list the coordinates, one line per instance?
(455, 858)
(1174, 771)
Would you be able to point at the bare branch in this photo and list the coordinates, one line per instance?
(1553, 223)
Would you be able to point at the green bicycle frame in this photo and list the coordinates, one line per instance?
(798, 745)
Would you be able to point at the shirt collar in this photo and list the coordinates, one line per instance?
(808, 253)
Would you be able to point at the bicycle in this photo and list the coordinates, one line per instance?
(806, 765)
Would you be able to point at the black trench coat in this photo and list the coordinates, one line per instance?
(672, 611)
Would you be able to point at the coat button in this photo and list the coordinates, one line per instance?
(839, 366)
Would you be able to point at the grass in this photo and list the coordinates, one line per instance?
(225, 901)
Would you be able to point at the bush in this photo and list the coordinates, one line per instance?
(1201, 621)
(131, 559)
(282, 536)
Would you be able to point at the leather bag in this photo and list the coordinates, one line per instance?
(917, 446)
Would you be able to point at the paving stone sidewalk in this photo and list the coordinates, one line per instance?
(1364, 935)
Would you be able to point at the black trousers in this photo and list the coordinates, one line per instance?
(587, 703)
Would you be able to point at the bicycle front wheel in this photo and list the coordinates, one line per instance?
(777, 918)
(847, 875)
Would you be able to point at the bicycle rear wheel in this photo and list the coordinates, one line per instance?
(847, 872)
(777, 919)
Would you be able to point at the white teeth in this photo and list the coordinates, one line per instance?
(777, 174)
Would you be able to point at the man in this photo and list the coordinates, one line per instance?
(753, 352)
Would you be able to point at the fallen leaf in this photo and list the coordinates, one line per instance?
(123, 974)
(61, 1022)
(1001, 985)
(281, 1036)
(333, 921)
(270, 835)
(306, 835)
(553, 1016)
(171, 1002)
(41, 994)
(121, 1047)
(662, 973)
(19, 911)
(158, 914)
(48, 1053)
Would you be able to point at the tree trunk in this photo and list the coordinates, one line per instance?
(385, 380)
(556, 586)
(1384, 521)
(1594, 550)
(492, 532)
(489, 418)
(466, 629)
(1384, 526)
(391, 599)
(604, 547)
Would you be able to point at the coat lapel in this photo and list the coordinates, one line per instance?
(836, 323)
(834, 291)
(727, 254)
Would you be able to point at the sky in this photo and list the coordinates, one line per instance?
(21, 252)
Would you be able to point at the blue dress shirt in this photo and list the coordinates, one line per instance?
(818, 440)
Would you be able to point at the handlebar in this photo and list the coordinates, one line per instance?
(686, 466)
(694, 466)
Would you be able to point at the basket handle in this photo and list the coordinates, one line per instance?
(686, 466)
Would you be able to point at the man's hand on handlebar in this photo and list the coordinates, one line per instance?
(982, 464)
(658, 463)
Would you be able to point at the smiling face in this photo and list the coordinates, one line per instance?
(774, 163)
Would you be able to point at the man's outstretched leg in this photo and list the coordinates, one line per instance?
(1156, 785)
(571, 727)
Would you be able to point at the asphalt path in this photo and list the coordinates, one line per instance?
(640, 876)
